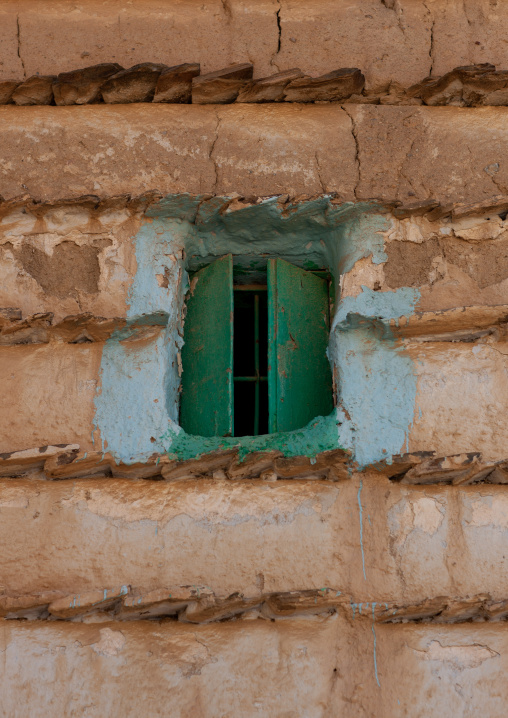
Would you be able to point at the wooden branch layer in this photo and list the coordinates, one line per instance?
(67, 461)
(199, 604)
(432, 210)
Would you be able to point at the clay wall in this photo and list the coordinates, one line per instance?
(399, 41)
(142, 572)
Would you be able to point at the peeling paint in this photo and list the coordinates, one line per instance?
(137, 401)
(377, 381)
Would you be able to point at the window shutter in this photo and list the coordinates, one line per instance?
(206, 406)
(299, 374)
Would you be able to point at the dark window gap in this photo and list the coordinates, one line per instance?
(250, 360)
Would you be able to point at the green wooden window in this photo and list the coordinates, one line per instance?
(254, 358)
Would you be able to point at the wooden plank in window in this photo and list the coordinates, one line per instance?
(206, 407)
(299, 374)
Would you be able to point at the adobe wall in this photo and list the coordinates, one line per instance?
(405, 154)
(256, 666)
(398, 41)
(138, 575)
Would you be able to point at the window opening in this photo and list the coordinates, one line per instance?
(254, 355)
(250, 360)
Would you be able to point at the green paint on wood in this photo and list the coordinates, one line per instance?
(207, 355)
(299, 374)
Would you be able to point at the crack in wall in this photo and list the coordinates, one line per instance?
(212, 148)
(18, 32)
(391, 5)
(279, 35)
(464, 8)
(431, 47)
(323, 188)
(227, 9)
(354, 132)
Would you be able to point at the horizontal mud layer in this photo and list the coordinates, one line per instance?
(393, 42)
(318, 666)
(391, 154)
(366, 540)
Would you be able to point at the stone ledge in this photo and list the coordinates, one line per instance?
(466, 86)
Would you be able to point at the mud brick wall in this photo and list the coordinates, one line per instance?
(140, 574)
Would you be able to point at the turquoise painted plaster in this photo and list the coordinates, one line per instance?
(380, 306)
(377, 382)
(139, 380)
(137, 403)
(319, 435)
(131, 408)
(360, 237)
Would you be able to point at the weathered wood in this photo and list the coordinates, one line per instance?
(91, 601)
(221, 87)
(458, 469)
(299, 374)
(413, 612)
(161, 602)
(205, 466)
(17, 463)
(8, 315)
(137, 84)
(175, 83)
(301, 603)
(75, 465)
(80, 87)
(497, 204)
(31, 330)
(7, 87)
(415, 209)
(269, 89)
(333, 86)
(319, 466)
(37, 90)
(206, 407)
(253, 464)
(216, 609)
(27, 606)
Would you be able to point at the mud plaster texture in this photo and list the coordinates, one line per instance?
(383, 153)
(451, 381)
(255, 538)
(454, 263)
(419, 342)
(256, 667)
(393, 42)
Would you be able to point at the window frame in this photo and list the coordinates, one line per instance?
(282, 388)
